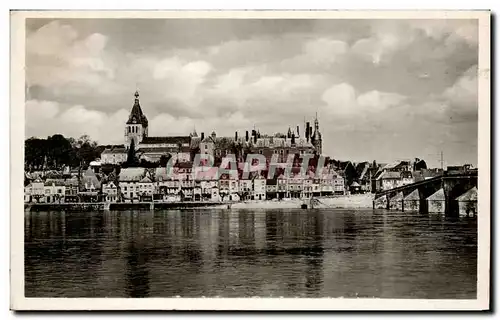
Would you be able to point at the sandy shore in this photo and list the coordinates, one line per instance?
(346, 202)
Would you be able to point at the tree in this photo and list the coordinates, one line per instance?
(131, 158)
(58, 151)
(35, 151)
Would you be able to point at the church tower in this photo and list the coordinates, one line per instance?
(316, 137)
(136, 127)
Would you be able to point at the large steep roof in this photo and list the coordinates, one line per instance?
(136, 115)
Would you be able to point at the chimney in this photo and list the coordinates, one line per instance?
(307, 131)
(246, 136)
(202, 136)
(235, 136)
(255, 138)
(293, 138)
(298, 134)
(310, 131)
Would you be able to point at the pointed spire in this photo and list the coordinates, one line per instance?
(136, 115)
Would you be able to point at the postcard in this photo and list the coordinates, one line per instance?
(250, 160)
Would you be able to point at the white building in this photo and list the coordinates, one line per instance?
(54, 191)
(259, 188)
(110, 191)
(114, 155)
(129, 179)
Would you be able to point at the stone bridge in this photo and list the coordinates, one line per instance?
(438, 194)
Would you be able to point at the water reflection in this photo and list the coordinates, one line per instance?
(316, 253)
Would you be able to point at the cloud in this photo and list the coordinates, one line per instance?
(342, 99)
(324, 50)
(464, 92)
(387, 76)
(73, 121)
(57, 50)
(453, 30)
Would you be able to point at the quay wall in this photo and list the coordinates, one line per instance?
(70, 207)
(119, 206)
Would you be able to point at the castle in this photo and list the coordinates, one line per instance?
(184, 147)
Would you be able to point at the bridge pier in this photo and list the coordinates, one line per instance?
(439, 195)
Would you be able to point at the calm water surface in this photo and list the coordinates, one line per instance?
(241, 253)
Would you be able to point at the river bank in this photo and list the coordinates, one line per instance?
(358, 201)
(345, 202)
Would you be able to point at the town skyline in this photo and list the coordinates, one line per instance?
(228, 76)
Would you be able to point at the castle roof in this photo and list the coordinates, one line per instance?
(166, 140)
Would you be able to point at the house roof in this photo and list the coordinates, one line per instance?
(390, 175)
(145, 180)
(110, 184)
(161, 174)
(131, 174)
(157, 150)
(71, 182)
(470, 195)
(344, 164)
(169, 140)
(362, 169)
(355, 184)
(55, 182)
(115, 150)
(406, 174)
(89, 177)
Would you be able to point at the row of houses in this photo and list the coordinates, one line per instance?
(142, 184)
(60, 189)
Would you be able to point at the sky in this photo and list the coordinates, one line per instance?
(383, 89)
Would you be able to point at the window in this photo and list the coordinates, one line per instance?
(260, 151)
(59, 190)
(128, 129)
(275, 151)
(206, 146)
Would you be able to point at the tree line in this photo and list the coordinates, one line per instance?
(57, 151)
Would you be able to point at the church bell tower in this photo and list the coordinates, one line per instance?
(136, 127)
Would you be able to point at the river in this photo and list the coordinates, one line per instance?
(246, 253)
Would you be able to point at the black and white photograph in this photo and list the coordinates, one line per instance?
(274, 158)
